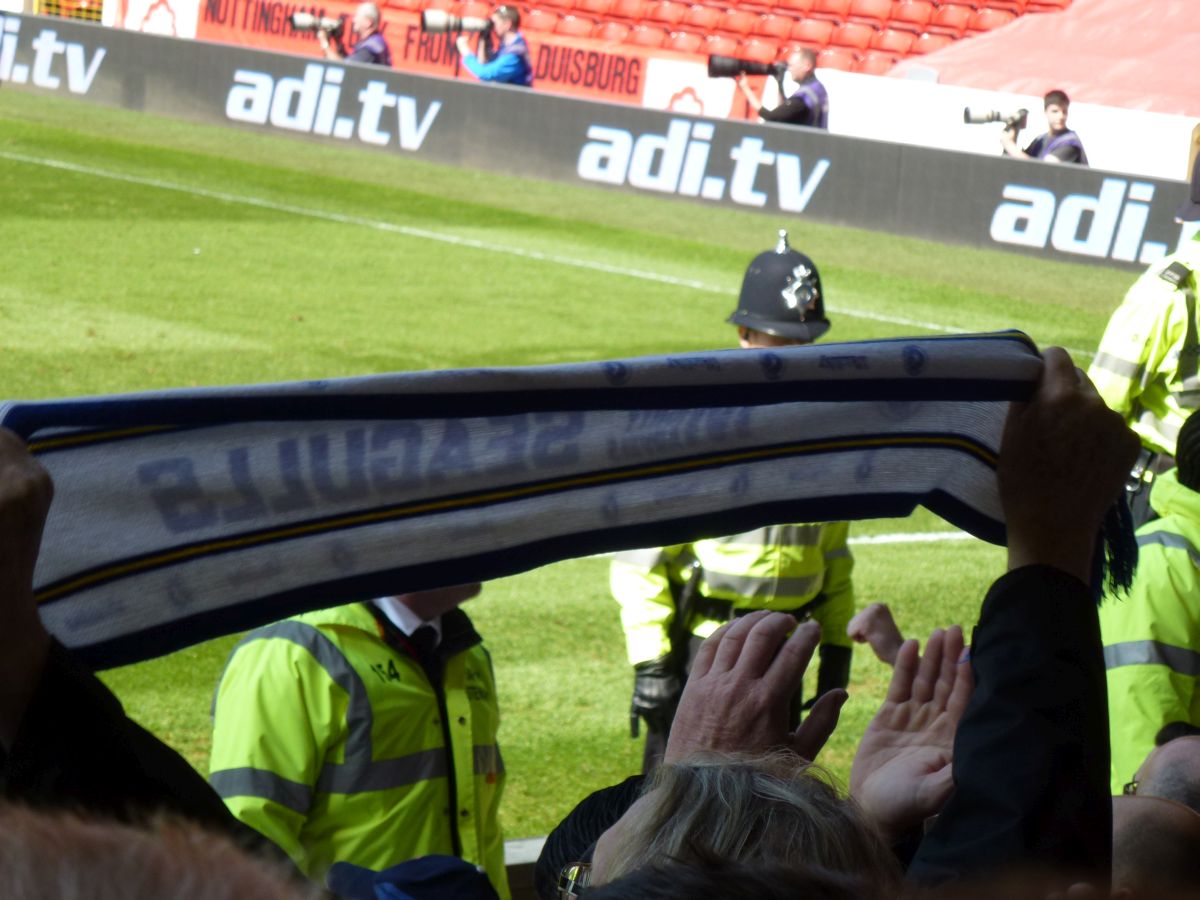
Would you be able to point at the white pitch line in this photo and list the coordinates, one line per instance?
(409, 231)
(913, 537)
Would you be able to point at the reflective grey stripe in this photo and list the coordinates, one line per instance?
(776, 536)
(1118, 366)
(1174, 541)
(263, 784)
(346, 778)
(1152, 653)
(329, 657)
(488, 760)
(750, 586)
(839, 553)
(644, 559)
(1166, 429)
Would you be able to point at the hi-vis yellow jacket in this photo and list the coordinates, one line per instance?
(1152, 637)
(331, 740)
(779, 567)
(1148, 365)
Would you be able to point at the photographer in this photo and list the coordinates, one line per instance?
(809, 105)
(370, 46)
(510, 62)
(1058, 145)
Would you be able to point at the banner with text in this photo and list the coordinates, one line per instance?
(1059, 211)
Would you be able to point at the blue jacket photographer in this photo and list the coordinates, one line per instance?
(808, 104)
(509, 63)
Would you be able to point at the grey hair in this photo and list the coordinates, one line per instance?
(774, 808)
(60, 856)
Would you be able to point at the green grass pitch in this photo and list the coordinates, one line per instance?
(141, 252)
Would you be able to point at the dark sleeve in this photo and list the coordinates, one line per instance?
(1031, 759)
(574, 836)
(834, 670)
(1035, 147)
(76, 749)
(1068, 153)
(793, 111)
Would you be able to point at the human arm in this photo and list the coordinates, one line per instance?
(901, 774)
(65, 741)
(1031, 752)
(505, 67)
(874, 626)
(835, 613)
(1008, 142)
(275, 713)
(331, 48)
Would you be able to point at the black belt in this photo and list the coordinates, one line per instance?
(724, 610)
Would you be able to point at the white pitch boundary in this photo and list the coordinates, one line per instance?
(445, 238)
(913, 537)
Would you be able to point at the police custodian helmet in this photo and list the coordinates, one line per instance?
(781, 295)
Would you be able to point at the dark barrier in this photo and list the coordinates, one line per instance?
(1058, 211)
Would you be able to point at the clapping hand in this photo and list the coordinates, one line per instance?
(901, 774)
(738, 696)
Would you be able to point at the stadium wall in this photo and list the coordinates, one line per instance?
(1055, 211)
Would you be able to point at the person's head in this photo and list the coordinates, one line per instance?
(1172, 772)
(801, 63)
(1156, 847)
(366, 19)
(1056, 104)
(505, 20)
(781, 301)
(719, 809)
(731, 881)
(428, 605)
(59, 856)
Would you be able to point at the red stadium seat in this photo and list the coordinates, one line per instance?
(597, 8)
(646, 36)
(738, 21)
(684, 42)
(773, 26)
(813, 32)
(870, 12)
(758, 50)
(930, 43)
(912, 15)
(1016, 7)
(539, 20)
(834, 10)
(447, 5)
(703, 18)
(854, 35)
(950, 19)
(989, 19)
(552, 4)
(795, 7)
(407, 5)
(892, 41)
(836, 58)
(611, 32)
(476, 9)
(876, 62)
(575, 26)
(1045, 6)
(628, 10)
(666, 12)
(719, 45)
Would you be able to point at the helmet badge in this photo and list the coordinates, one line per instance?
(800, 292)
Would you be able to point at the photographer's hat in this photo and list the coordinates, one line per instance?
(1190, 210)
(781, 295)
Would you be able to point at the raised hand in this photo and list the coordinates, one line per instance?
(901, 774)
(738, 696)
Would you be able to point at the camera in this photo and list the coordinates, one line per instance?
(302, 21)
(1016, 121)
(731, 67)
(438, 21)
